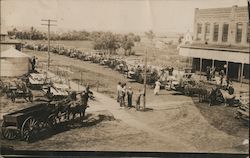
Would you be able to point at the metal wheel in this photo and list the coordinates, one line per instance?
(9, 133)
(12, 96)
(70, 116)
(29, 128)
(31, 98)
(52, 120)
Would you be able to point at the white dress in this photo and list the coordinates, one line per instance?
(157, 87)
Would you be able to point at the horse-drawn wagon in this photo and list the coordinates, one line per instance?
(18, 90)
(27, 123)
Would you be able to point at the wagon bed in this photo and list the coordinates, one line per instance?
(25, 122)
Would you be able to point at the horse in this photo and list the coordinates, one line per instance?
(77, 108)
(215, 97)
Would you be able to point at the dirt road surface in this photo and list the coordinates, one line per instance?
(173, 122)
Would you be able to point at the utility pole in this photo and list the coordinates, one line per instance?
(145, 79)
(49, 21)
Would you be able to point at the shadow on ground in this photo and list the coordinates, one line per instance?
(222, 118)
(88, 121)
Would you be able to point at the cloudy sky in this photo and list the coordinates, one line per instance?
(112, 15)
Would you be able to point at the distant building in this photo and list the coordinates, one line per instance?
(6, 43)
(13, 63)
(221, 40)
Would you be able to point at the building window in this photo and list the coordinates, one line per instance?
(216, 32)
(225, 33)
(238, 32)
(199, 31)
(207, 31)
(248, 34)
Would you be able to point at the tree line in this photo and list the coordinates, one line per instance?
(106, 41)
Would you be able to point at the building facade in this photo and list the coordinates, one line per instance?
(221, 40)
(223, 26)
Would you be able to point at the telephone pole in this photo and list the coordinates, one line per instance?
(145, 79)
(49, 21)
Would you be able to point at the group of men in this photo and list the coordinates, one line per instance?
(123, 93)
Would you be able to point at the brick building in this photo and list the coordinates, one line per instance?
(221, 40)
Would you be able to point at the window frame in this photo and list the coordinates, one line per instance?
(225, 37)
(248, 33)
(217, 36)
(199, 31)
(207, 31)
(238, 36)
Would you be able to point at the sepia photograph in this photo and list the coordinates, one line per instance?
(124, 78)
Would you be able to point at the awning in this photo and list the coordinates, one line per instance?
(213, 54)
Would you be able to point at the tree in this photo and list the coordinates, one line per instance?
(150, 35)
(127, 44)
(108, 42)
(137, 38)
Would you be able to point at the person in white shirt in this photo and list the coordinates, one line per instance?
(157, 87)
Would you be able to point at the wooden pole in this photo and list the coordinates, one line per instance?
(241, 75)
(81, 77)
(145, 80)
(48, 44)
(200, 66)
(227, 69)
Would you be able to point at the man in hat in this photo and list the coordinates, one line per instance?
(129, 96)
(118, 88)
(138, 100)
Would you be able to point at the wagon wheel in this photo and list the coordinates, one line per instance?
(52, 121)
(12, 96)
(31, 97)
(186, 91)
(29, 128)
(8, 132)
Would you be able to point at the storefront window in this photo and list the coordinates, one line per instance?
(199, 30)
(238, 32)
(248, 34)
(216, 32)
(207, 31)
(225, 33)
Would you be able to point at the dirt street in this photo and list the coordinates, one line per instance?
(173, 122)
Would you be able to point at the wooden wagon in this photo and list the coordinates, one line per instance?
(27, 122)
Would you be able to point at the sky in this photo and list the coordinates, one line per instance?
(108, 15)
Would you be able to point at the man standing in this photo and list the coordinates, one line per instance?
(208, 72)
(123, 95)
(129, 96)
(221, 76)
(171, 70)
(118, 88)
(138, 100)
(33, 63)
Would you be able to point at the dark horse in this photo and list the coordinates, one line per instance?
(79, 107)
